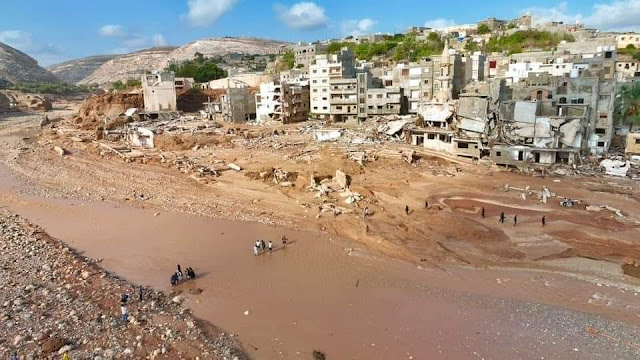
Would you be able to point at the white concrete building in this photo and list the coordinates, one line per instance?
(327, 67)
(269, 102)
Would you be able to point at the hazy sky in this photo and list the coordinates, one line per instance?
(53, 31)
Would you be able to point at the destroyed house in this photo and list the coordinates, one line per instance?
(523, 157)
(159, 92)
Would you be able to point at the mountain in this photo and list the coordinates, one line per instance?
(73, 71)
(128, 66)
(132, 65)
(219, 46)
(18, 67)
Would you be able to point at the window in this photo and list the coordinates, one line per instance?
(637, 141)
(338, 107)
(605, 97)
(315, 71)
(324, 108)
(431, 136)
(315, 81)
(324, 99)
(324, 70)
(498, 153)
(600, 143)
(315, 90)
(324, 90)
(601, 131)
(369, 96)
(603, 115)
(370, 107)
(315, 108)
(379, 96)
(324, 81)
(463, 145)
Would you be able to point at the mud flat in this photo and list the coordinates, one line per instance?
(329, 295)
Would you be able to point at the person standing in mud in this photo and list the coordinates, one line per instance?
(426, 204)
(262, 245)
(255, 249)
(515, 220)
(482, 212)
(406, 209)
(270, 247)
(284, 241)
(502, 217)
(544, 220)
(140, 293)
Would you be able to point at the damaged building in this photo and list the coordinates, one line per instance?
(284, 102)
(159, 91)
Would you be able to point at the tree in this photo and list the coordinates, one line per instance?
(483, 29)
(200, 68)
(627, 105)
(289, 59)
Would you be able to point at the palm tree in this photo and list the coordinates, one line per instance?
(627, 104)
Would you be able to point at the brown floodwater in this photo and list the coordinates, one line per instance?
(314, 294)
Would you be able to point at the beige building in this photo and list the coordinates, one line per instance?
(159, 92)
(624, 40)
(344, 99)
(305, 55)
(238, 105)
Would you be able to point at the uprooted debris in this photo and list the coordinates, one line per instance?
(323, 186)
(544, 195)
(276, 175)
(615, 167)
(598, 208)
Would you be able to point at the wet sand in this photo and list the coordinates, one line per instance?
(313, 295)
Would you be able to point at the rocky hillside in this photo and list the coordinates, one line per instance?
(220, 46)
(18, 67)
(128, 66)
(132, 65)
(73, 71)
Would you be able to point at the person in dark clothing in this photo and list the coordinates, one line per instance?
(179, 268)
(482, 212)
(284, 241)
(124, 298)
(262, 245)
(502, 217)
(406, 209)
(192, 274)
(544, 220)
(515, 220)
(140, 293)
(174, 279)
(426, 204)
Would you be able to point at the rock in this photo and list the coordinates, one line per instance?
(17, 340)
(128, 351)
(196, 291)
(85, 274)
(59, 150)
(53, 344)
(234, 167)
(342, 179)
(177, 299)
(109, 353)
(65, 349)
(246, 312)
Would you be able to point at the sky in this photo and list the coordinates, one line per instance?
(55, 31)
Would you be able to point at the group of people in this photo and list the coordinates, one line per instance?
(178, 276)
(515, 218)
(261, 246)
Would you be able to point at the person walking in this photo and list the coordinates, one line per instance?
(140, 293)
(258, 245)
(515, 220)
(482, 212)
(262, 245)
(270, 246)
(406, 209)
(284, 241)
(502, 217)
(255, 250)
(125, 313)
(426, 204)
(544, 220)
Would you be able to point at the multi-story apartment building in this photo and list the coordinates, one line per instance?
(305, 55)
(284, 102)
(344, 99)
(326, 68)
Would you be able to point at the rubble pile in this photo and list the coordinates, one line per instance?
(339, 183)
(56, 301)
